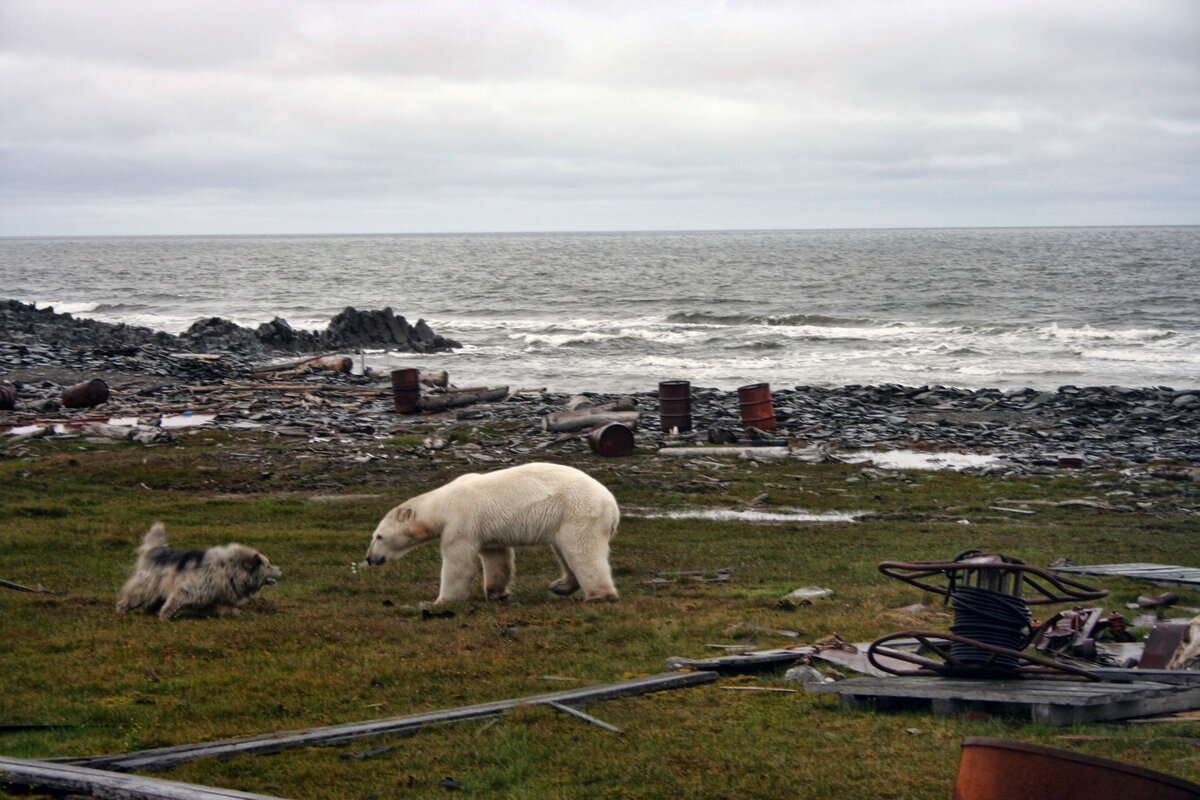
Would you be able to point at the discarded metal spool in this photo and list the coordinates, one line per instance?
(88, 393)
(611, 439)
(997, 769)
(675, 405)
(992, 624)
(8, 399)
(756, 407)
(406, 389)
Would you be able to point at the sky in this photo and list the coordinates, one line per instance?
(160, 117)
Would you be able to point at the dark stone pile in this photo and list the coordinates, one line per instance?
(22, 323)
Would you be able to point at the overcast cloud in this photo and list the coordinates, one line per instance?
(164, 117)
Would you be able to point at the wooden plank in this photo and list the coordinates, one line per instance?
(745, 663)
(161, 758)
(57, 778)
(1053, 702)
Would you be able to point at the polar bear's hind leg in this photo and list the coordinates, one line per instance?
(567, 584)
(587, 558)
(499, 566)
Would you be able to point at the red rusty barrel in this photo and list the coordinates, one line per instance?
(757, 410)
(406, 389)
(611, 439)
(997, 769)
(8, 399)
(675, 405)
(88, 393)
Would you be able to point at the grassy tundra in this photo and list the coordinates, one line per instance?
(334, 642)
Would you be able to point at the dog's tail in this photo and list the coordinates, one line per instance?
(155, 537)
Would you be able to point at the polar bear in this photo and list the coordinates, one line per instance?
(486, 515)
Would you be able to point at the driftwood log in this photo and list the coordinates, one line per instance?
(162, 758)
(748, 453)
(587, 418)
(461, 397)
(580, 412)
(46, 777)
(335, 362)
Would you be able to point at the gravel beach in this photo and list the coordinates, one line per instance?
(213, 375)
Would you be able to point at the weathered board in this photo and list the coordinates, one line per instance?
(1155, 573)
(26, 775)
(161, 758)
(1051, 702)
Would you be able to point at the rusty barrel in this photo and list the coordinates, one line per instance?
(997, 769)
(8, 399)
(83, 395)
(611, 439)
(406, 389)
(755, 403)
(675, 405)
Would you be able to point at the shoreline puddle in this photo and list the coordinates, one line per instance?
(735, 515)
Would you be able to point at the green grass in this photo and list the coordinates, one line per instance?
(335, 643)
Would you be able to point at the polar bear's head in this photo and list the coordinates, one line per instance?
(400, 530)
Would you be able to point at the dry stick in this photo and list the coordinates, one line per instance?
(162, 758)
(574, 712)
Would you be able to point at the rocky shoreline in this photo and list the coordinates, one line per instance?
(210, 370)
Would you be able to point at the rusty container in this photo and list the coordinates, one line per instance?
(675, 405)
(83, 395)
(755, 403)
(611, 439)
(8, 399)
(406, 389)
(997, 769)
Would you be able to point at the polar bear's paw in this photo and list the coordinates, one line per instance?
(564, 587)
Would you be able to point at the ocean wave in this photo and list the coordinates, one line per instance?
(712, 318)
(817, 320)
(75, 309)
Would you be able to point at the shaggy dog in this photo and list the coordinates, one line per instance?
(168, 579)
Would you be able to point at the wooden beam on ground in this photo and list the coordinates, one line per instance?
(44, 777)
(162, 758)
(461, 397)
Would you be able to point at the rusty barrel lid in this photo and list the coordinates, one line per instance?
(88, 393)
(998, 769)
(611, 439)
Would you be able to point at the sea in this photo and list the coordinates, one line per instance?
(1004, 308)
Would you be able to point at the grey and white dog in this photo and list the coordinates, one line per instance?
(168, 580)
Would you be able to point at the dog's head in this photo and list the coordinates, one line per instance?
(400, 530)
(252, 569)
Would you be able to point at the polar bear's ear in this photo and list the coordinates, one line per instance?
(404, 513)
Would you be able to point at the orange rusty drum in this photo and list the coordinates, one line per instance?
(88, 393)
(756, 407)
(611, 439)
(406, 389)
(8, 399)
(675, 405)
(996, 769)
